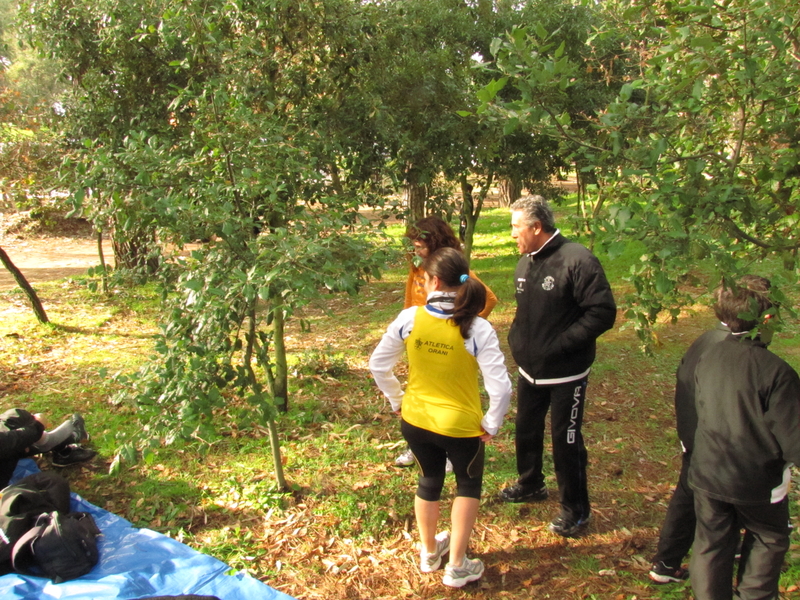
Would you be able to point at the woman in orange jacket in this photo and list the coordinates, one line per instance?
(427, 236)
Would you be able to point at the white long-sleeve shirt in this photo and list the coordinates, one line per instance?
(482, 343)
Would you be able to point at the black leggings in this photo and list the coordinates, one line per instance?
(431, 451)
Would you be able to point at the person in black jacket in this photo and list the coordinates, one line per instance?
(564, 303)
(677, 532)
(748, 435)
(23, 434)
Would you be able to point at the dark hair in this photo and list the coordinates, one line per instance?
(449, 265)
(536, 209)
(748, 295)
(435, 232)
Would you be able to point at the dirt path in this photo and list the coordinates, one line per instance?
(49, 257)
(46, 259)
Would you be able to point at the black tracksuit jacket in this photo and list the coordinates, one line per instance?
(564, 303)
(685, 412)
(748, 422)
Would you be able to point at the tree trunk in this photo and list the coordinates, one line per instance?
(336, 181)
(589, 210)
(274, 440)
(275, 445)
(280, 389)
(471, 210)
(38, 310)
(467, 208)
(102, 256)
(510, 190)
(132, 249)
(415, 196)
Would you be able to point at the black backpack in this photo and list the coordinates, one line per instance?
(59, 546)
(22, 503)
(38, 534)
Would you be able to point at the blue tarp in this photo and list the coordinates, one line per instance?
(136, 563)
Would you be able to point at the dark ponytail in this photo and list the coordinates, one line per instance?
(450, 266)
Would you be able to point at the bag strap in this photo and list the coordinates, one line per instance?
(22, 554)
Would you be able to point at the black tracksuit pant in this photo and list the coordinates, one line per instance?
(677, 532)
(565, 403)
(716, 539)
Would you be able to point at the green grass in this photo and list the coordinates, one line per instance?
(347, 527)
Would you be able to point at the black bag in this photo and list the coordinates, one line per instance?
(22, 503)
(61, 546)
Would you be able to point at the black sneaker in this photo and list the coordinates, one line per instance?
(569, 527)
(71, 455)
(79, 434)
(661, 573)
(518, 493)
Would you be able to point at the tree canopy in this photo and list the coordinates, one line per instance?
(30, 148)
(696, 152)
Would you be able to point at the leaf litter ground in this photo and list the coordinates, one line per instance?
(347, 531)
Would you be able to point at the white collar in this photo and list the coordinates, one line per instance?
(444, 301)
(555, 233)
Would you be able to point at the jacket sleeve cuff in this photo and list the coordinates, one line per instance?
(488, 428)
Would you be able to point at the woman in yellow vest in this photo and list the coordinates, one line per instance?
(447, 345)
(427, 236)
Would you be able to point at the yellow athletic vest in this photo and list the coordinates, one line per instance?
(442, 393)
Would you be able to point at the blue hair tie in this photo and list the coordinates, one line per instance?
(463, 278)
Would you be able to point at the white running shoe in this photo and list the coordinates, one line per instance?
(406, 459)
(428, 563)
(470, 570)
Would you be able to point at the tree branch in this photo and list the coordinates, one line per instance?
(694, 156)
(564, 132)
(739, 234)
(38, 310)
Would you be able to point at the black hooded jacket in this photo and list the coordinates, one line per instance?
(564, 303)
(748, 423)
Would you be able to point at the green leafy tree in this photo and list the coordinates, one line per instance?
(485, 151)
(223, 138)
(417, 76)
(696, 155)
(30, 145)
(120, 84)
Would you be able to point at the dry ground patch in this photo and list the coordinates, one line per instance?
(347, 530)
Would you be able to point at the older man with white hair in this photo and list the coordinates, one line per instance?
(564, 303)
